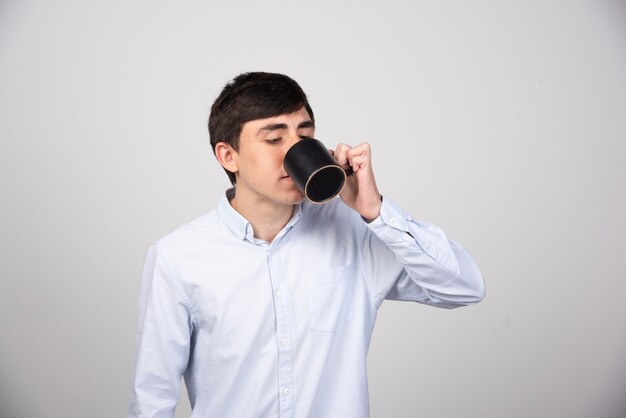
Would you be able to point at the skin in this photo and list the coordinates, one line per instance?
(265, 195)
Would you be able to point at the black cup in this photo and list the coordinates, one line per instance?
(314, 170)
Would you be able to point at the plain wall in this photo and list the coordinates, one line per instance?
(503, 122)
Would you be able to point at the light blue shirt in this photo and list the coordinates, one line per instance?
(282, 329)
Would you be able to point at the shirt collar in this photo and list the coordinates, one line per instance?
(239, 225)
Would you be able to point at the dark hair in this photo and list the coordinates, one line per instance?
(252, 96)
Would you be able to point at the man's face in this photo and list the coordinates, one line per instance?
(262, 147)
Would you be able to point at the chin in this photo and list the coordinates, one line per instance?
(294, 198)
(299, 200)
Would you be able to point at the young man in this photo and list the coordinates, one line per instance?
(266, 304)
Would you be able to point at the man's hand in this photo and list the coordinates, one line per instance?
(360, 191)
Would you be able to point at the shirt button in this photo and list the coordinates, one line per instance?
(284, 391)
(284, 341)
(280, 294)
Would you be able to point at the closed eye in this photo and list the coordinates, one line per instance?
(273, 141)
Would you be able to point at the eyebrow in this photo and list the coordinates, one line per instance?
(276, 126)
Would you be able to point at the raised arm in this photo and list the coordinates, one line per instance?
(413, 260)
(429, 268)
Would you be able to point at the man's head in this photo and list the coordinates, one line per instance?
(252, 96)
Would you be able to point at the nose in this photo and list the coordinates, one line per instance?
(293, 139)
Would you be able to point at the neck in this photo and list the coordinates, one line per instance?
(267, 218)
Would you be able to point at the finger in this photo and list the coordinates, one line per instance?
(341, 154)
(359, 153)
(361, 149)
(357, 162)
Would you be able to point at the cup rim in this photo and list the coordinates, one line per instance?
(345, 178)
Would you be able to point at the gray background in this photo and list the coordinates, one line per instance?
(504, 122)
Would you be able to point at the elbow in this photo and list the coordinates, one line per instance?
(474, 293)
(478, 291)
(470, 294)
(470, 279)
(465, 296)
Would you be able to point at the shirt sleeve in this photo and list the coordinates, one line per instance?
(164, 328)
(415, 261)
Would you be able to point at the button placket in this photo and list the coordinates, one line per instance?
(283, 334)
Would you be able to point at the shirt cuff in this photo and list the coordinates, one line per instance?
(391, 215)
(395, 226)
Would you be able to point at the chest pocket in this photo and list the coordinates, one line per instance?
(331, 297)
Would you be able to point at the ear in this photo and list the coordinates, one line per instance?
(227, 156)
